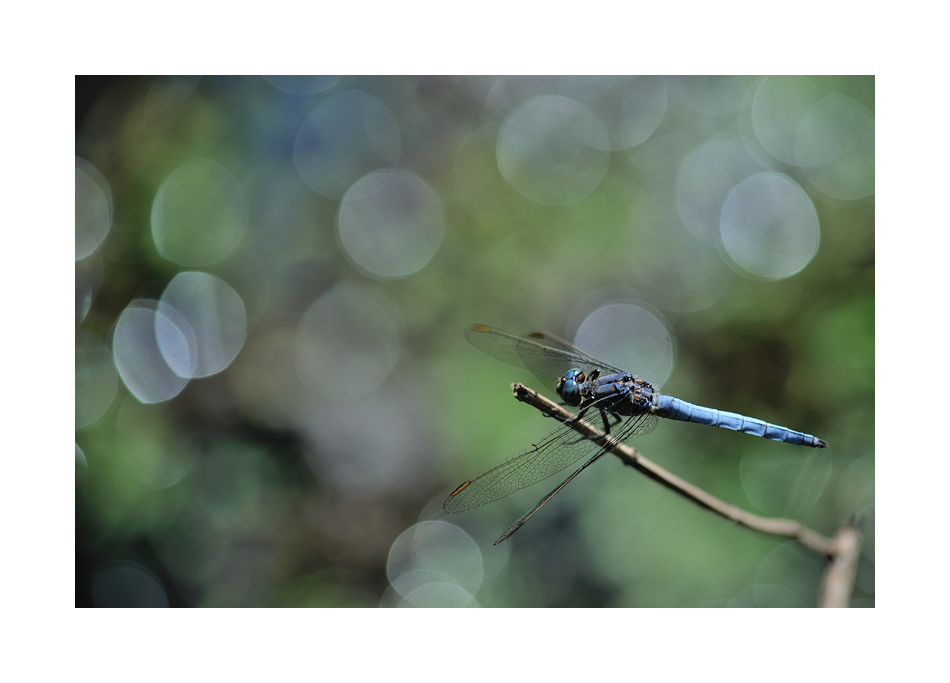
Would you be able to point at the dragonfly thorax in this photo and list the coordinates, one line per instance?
(618, 393)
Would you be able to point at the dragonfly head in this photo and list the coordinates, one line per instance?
(568, 387)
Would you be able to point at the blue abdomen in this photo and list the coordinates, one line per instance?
(675, 409)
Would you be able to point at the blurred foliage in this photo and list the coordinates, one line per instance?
(245, 489)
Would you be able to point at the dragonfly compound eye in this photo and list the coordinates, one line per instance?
(575, 374)
(571, 392)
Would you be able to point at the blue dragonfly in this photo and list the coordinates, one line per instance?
(594, 387)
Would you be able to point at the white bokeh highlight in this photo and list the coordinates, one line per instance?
(138, 358)
(435, 564)
(200, 213)
(93, 208)
(770, 226)
(391, 223)
(778, 108)
(630, 107)
(439, 595)
(630, 337)
(215, 315)
(552, 150)
(835, 148)
(705, 179)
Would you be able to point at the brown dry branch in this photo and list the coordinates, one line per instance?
(842, 550)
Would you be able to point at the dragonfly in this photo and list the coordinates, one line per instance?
(626, 404)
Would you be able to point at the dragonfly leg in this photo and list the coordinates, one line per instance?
(607, 425)
(615, 417)
(577, 417)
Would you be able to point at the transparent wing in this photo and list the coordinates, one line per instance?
(544, 354)
(554, 341)
(560, 448)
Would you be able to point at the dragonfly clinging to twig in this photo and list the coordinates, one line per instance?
(627, 405)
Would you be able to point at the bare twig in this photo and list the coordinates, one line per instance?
(842, 550)
(839, 577)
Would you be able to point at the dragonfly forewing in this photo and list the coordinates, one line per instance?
(545, 355)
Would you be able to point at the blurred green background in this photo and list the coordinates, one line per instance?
(274, 396)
